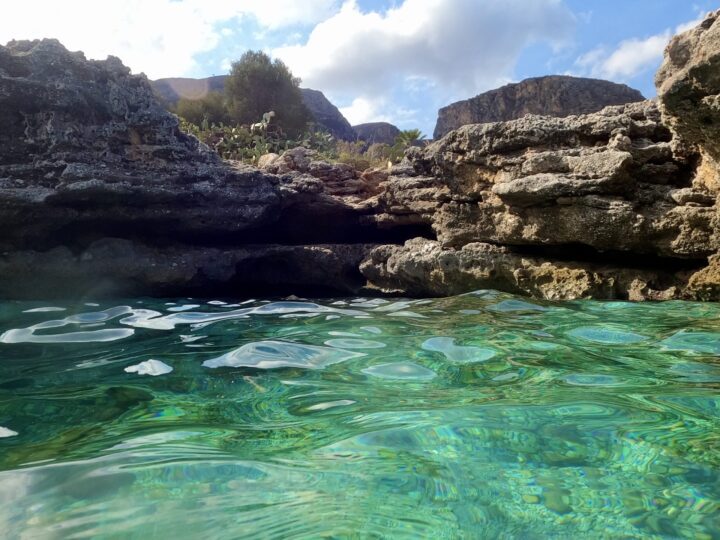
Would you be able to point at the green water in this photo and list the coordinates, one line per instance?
(479, 416)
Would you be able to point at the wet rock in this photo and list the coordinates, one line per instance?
(424, 268)
(117, 267)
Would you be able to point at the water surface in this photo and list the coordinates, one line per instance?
(482, 415)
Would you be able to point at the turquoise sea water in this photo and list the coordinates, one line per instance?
(478, 416)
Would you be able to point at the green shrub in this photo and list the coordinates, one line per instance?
(242, 144)
(257, 84)
(205, 111)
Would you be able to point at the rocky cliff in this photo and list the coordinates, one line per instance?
(325, 114)
(377, 132)
(622, 203)
(555, 95)
(585, 206)
(100, 193)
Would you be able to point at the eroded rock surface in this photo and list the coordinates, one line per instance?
(621, 203)
(688, 85)
(584, 206)
(100, 192)
(87, 154)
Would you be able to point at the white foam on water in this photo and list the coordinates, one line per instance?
(190, 339)
(29, 335)
(407, 314)
(371, 330)
(331, 405)
(154, 320)
(151, 367)
(395, 306)
(5, 433)
(26, 335)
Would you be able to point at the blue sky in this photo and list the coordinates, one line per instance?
(391, 60)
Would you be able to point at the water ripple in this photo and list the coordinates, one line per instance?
(482, 415)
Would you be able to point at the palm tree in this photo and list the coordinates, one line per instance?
(409, 137)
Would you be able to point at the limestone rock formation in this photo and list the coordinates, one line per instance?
(89, 159)
(377, 133)
(339, 179)
(325, 114)
(688, 85)
(555, 95)
(525, 205)
(621, 203)
(101, 193)
(424, 268)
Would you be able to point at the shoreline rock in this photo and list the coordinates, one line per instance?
(100, 193)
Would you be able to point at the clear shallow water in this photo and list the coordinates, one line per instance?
(483, 415)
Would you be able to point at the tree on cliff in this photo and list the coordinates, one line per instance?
(257, 85)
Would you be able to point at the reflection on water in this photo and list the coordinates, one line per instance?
(481, 415)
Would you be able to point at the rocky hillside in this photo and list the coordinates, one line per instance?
(555, 95)
(101, 194)
(377, 132)
(327, 115)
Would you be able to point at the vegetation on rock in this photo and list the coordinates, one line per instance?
(257, 84)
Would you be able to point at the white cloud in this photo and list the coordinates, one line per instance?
(458, 47)
(159, 37)
(363, 110)
(631, 57)
(464, 43)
